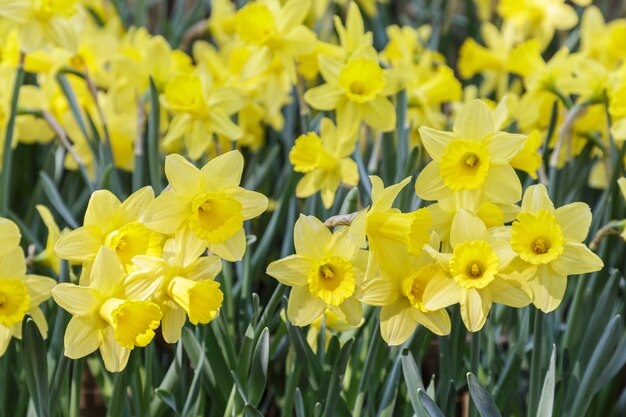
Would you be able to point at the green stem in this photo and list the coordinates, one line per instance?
(535, 366)
(475, 366)
(5, 185)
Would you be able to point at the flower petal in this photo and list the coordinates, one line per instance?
(292, 270)
(324, 97)
(115, 357)
(441, 292)
(303, 309)
(82, 337)
(172, 323)
(164, 214)
(310, 236)
(548, 289)
(576, 259)
(474, 121)
(231, 250)
(397, 323)
(437, 321)
(224, 171)
(503, 146)
(536, 198)
(475, 305)
(513, 293)
(429, 184)
(253, 203)
(502, 185)
(466, 227)
(574, 220)
(435, 141)
(379, 114)
(183, 176)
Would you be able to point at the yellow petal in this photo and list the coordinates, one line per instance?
(172, 323)
(503, 146)
(474, 121)
(184, 177)
(382, 198)
(310, 236)
(437, 321)
(136, 203)
(115, 356)
(380, 291)
(223, 125)
(502, 185)
(324, 97)
(536, 198)
(466, 227)
(379, 114)
(475, 305)
(292, 270)
(512, 293)
(101, 209)
(39, 288)
(13, 264)
(9, 236)
(440, 292)
(292, 14)
(303, 309)
(80, 245)
(435, 141)
(231, 250)
(165, 213)
(5, 338)
(253, 204)
(107, 271)
(224, 171)
(574, 219)
(350, 311)
(548, 289)
(78, 301)
(330, 69)
(82, 337)
(429, 184)
(397, 323)
(576, 259)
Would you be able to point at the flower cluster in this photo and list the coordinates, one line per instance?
(144, 260)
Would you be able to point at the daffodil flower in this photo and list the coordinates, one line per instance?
(549, 241)
(109, 222)
(474, 157)
(107, 315)
(476, 265)
(399, 289)
(326, 272)
(357, 90)
(275, 32)
(185, 279)
(387, 229)
(41, 24)
(20, 294)
(208, 201)
(325, 160)
(201, 110)
(48, 257)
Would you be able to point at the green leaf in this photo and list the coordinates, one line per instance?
(250, 411)
(154, 160)
(546, 401)
(429, 405)
(258, 371)
(51, 191)
(413, 381)
(168, 398)
(35, 366)
(483, 401)
(194, 389)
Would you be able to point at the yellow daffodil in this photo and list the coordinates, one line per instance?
(184, 283)
(42, 24)
(357, 90)
(109, 222)
(9, 236)
(399, 289)
(208, 201)
(106, 314)
(20, 294)
(538, 18)
(476, 267)
(474, 157)
(353, 39)
(406, 44)
(387, 229)
(275, 31)
(550, 241)
(200, 111)
(325, 161)
(600, 40)
(325, 273)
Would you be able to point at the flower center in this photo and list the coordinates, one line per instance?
(413, 286)
(464, 165)
(537, 237)
(332, 280)
(541, 246)
(134, 239)
(474, 264)
(14, 301)
(215, 217)
(362, 79)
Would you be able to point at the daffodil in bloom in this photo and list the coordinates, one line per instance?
(200, 111)
(325, 161)
(208, 201)
(107, 315)
(476, 267)
(275, 32)
(20, 294)
(109, 222)
(388, 230)
(326, 272)
(549, 241)
(41, 24)
(399, 289)
(184, 283)
(357, 91)
(474, 157)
